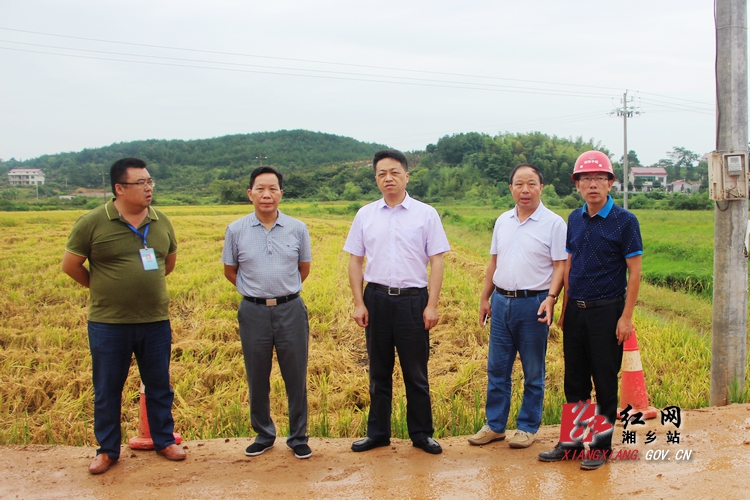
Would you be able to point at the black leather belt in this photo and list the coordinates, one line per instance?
(599, 303)
(274, 301)
(519, 293)
(392, 290)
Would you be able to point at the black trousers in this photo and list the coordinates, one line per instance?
(396, 322)
(591, 352)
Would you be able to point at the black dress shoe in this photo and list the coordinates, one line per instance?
(369, 443)
(560, 452)
(596, 459)
(591, 464)
(429, 445)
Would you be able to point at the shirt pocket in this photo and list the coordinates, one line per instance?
(412, 237)
(291, 250)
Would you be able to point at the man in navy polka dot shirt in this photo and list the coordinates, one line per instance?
(602, 277)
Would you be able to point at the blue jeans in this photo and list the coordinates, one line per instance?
(112, 347)
(515, 329)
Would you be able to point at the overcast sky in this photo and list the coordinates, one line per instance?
(80, 74)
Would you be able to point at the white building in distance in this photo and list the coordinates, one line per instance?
(25, 176)
(649, 175)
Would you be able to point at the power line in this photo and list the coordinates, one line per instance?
(351, 76)
(377, 79)
(678, 98)
(626, 112)
(679, 107)
(203, 61)
(301, 60)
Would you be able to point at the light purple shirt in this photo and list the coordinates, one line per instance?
(525, 250)
(398, 242)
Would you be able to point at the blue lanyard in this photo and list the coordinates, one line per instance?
(143, 236)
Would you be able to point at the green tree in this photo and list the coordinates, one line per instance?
(550, 197)
(228, 191)
(452, 149)
(352, 192)
(571, 201)
(633, 160)
(683, 158)
(668, 165)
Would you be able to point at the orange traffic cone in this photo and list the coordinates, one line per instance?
(143, 441)
(633, 389)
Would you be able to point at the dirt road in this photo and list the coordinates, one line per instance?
(718, 440)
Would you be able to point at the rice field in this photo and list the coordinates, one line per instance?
(46, 394)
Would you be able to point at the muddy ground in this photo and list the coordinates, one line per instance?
(717, 438)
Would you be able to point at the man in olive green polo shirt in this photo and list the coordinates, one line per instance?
(130, 247)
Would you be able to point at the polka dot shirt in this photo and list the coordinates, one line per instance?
(599, 247)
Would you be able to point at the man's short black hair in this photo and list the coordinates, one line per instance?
(393, 154)
(529, 165)
(117, 171)
(266, 170)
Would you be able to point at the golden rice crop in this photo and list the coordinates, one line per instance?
(45, 370)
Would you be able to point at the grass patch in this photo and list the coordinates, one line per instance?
(45, 367)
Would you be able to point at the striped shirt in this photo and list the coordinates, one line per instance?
(398, 242)
(267, 259)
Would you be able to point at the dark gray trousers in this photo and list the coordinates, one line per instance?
(284, 327)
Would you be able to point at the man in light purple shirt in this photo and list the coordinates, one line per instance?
(399, 236)
(524, 278)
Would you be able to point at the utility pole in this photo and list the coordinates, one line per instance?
(626, 112)
(729, 332)
(261, 158)
(104, 190)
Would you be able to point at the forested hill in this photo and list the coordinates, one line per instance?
(178, 164)
(467, 166)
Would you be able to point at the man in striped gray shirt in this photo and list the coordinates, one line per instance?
(267, 257)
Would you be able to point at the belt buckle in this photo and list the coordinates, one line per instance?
(511, 293)
(270, 302)
(398, 290)
(581, 304)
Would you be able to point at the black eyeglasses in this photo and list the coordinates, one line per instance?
(140, 183)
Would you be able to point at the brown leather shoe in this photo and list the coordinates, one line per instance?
(101, 463)
(173, 452)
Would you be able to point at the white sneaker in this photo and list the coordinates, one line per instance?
(522, 439)
(486, 435)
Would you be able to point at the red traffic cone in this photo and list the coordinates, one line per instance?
(633, 388)
(143, 441)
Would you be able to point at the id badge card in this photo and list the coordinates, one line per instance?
(148, 257)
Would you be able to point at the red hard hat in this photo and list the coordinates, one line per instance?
(592, 161)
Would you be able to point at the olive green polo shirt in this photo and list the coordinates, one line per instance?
(121, 291)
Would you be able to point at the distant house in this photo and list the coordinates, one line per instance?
(648, 175)
(25, 176)
(681, 186)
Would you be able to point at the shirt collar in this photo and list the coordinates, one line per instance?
(254, 221)
(535, 216)
(113, 214)
(406, 202)
(606, 209)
